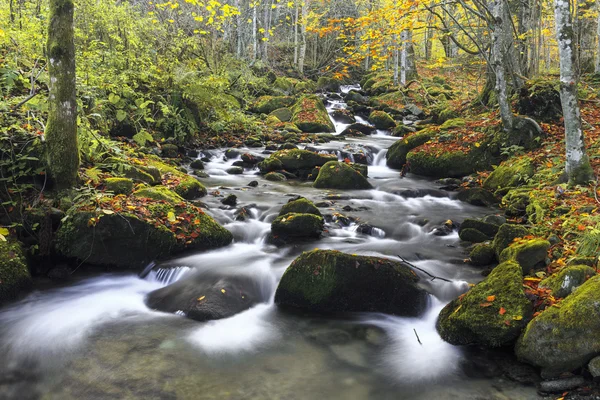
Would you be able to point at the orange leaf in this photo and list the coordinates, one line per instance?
(581, 227)
(485, 304)
(491, 298)
(502, 311)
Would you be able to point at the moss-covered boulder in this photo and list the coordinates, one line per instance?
(275, 177)
(567, 279)
(478, 197)
(453, 123)
(169, 150)
(14, 274)
(396, 154)
(159, 193)
(285, 86)
(305, 87)
(510, 174)
(473, 235)
(528, 253)
(119, 185)
(356, 97)
(294, 160)
(310, 115)
(183, 184)
(339, 175)
(507, 233)
(328, 84)
(326, 281)
(357, 129)
(564, 338)
(488, 228)
(493, 313)
(296, 226)
(301, 206)
(448, 164)
(382, 120)
(268, 104)
(283, 114)
(540, 99)
(482, 254)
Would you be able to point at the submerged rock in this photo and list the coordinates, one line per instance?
(14, 274)
(564, 338)
(493, 313)
(326, 281)
(206, 297)
(339, 175)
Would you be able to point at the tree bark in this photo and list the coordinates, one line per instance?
(254, 30)
(296, 43)
(61, 129)
(302, 52)
(577, 166)
(408, 68)
(585, 35)
(597, 69)
(498, 9)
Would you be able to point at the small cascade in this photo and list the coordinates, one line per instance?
(379, 159)
(166, 276)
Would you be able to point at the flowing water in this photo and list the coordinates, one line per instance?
(96, 339)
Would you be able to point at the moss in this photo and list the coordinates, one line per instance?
(305, 87)
(296, 225)
(488, 228)
(565, 337)
(119, 185)
(583, 174)
(482, 254)
(169, 150)
(473, 235)
(528, 253)
(294, 160)
(331, 281)
(396, 154)
(275, 177)
(540, 99)
(310, 115)
(515, 202)
(159, 193)
(282, 114)
(453, 123)
(492, 314)
(449, 164)
(303, 206)
(183, 184)
(285, 86)
(567, 279)
(337, 175)
(510, 174)
(507, 233)
(328, 84)
(14, 274)
(268, 104)
(382, 120)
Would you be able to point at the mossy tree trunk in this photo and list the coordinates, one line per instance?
(578, 167)
(61, 129)
(597, 69)
(408, 67)
(498, 64)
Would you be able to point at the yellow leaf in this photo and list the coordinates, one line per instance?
(457, 308)
(201, 298)
(518, 317)
(4, 232)
(222, 290)
(171, 216)
(108, 212)
(477, 144)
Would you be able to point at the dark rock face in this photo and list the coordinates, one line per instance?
(358, 128)
(207, 297)
(326, 281)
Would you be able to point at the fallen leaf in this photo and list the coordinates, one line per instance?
(201, 298)
(518, 317)
(491, 298)
(108, 212)
(502, 311)
(222, 290)
(457, 308)
(485, 305)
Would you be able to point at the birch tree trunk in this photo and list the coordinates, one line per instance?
(586, 37)
(396, 59)
(296, 43)
(254, 31)
(498, 64)
(302, 52)
(408, 68)
(239, 32)
(597, 69)
(61, 129)
(577, 165)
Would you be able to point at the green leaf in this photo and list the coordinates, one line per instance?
(113, 98)
(108, 212)
(4, 232)
(121, 115)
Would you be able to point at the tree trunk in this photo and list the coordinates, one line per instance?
(577, 165)
(296, 43)
(585, 28)
(408, 68)
(302, 52)
(61, 129)
(396, 59)
(239, 31)
(497, 61)
(254, 31)
(597, 69)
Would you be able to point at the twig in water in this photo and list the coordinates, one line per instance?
(417, 335)
(433, 277)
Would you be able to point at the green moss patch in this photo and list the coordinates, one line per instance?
(339, 175)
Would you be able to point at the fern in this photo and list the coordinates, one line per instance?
(589, 243)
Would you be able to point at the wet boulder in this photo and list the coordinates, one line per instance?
(327, 84)
(493, 313)
(183, 184)
(507, 233)
(268, 104)
(14, 273)
(357, 127)
(567, 279)
(396, 154)
(343, 116)
(447, 164)
(326, 281)
(339, 175)
(562, 339)
(275, 177)
(356, 97)
(477, 197)
(297, 226)
(301, 205)
(382, 120)
(206, 297)
(283, 114)
(482, 255)
(310, 115)
(530, 254)
(484, 230)
(294, 160)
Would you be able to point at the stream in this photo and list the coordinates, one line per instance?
(96, 339)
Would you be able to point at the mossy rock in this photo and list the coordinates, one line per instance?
(305, 87)
(184, 185)
(294, 160)
(169, 150)
(453, 123)
(473, 235)
(515, 202)
(382, 120)
(297, 225)
(567, 280)
(564, 338)
(488, 228)
(119, 185)
(396, 154)
(493, 313)
(510, 173)
(478, 197)
(159, 193)
(326, 281)
(528, 253)
(268, 104)
(328, 84)
(449, 164)
(310, 115)
(339, 175)
(282, 114)
(301, 206)
(285, 86)
(14, 274)
(482, 255)
(540, 99)
(358, 98)
(507, 233)
(275, 177)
